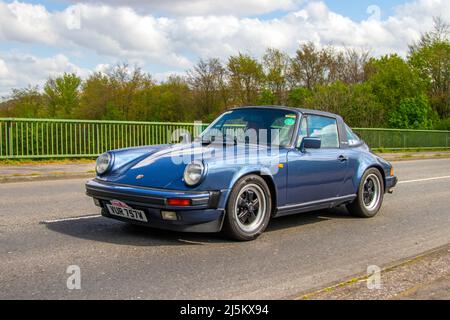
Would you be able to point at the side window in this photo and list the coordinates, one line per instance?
(325, 129)
(352, 138)
(302, 131)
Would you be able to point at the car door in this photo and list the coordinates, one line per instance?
(316, 174)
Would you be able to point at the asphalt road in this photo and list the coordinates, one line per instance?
(296, 254)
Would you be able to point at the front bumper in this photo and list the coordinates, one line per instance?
(391, 182)
(204, 214)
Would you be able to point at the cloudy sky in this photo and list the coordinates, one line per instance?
(49, 37)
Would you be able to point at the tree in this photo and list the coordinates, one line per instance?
(384, 91)
(308, 67)
(246, 78)
(298, 96)
(392, 80)
(362, 108)
(413, 113)
(62, 95)
(172, 101)
(114, 95)
(95, 98)
(25, 103)
(353, 69)
(355, 103)
(430, 57)
(443, 124)
(125, 83)
(208, 82)
(439, 33)
(267, 97)
(276, 67)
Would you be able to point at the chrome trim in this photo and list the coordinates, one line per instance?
(307, 204)
(109, 183)
(199, 199)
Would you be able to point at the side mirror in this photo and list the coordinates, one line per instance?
(310, 143)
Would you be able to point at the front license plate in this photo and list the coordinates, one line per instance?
(129, 213)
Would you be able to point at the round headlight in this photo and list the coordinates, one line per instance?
(103, 163)
(193, 173)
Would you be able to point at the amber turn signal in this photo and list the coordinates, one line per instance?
(392, 171)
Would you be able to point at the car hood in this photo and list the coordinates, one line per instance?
(162, 166)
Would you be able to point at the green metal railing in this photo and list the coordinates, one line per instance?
(50, 138)
(404, 139)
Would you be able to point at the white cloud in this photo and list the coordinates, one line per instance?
(25, 22)
(102, 67)
(206, 7)
(4, 72)
(18, 70)
(125, 34)
(162, 76)
(205, 29)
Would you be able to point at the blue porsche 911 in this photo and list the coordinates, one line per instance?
(250, 165)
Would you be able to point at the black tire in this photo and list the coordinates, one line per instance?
(366, 206)
(244, 219)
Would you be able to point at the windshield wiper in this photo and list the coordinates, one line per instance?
(206, 141)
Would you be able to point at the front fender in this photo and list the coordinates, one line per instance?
(257, 170)
(225, 177)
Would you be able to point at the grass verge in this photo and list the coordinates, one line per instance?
(18, 162)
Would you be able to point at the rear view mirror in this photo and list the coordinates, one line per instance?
(310, 143)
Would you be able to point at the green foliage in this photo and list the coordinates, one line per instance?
(355, 103)
(309, 66)
(392, 80)
(443, 124)
(208, 88)
(246, 77)
(62, 95)
(267, 97)
(297, 97)
(412, 113)
(363, 108)
(24, 103)
(388, 91)
(276, 69)
(431, 59)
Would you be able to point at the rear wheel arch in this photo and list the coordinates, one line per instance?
(369, 194)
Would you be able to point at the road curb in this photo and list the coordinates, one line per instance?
(80, 175)
(46, 177)
(415, 157)
(391, 267)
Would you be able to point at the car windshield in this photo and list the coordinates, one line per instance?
(253, 125)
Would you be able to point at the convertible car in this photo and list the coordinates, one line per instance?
(250, 165)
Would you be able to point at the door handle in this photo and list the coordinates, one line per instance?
(342, 158)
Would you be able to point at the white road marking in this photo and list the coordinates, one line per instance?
(192, 242)
(72, 219)
(425, 179)
(198, 242)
